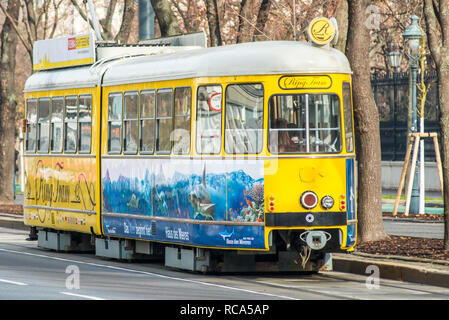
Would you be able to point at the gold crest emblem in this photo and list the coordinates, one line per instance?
(321, 31)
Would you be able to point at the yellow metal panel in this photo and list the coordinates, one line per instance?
(323, 176)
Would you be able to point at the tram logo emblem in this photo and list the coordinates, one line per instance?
(321, 31)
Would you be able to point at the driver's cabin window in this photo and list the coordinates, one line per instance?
(304, 123)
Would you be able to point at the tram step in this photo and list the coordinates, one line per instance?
(60, 241)
(195, 259)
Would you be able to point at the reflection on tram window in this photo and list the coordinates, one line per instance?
(85, 123)
(244, 118)
(347, 110)
(31, 117)
(57, 118)
(130, 123)
(304, 123)
(181, 132)
(208, 123)
(164, 106)
(70, 133)
(147, 121)
(115, 123)
(43, 141)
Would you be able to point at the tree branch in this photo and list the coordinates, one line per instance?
(243, 18)
(104, 34)
(433, 31)
(128, 15)
(15, 27)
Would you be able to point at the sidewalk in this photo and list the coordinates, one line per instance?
(431, 207)
(425, 271)
(12, 221)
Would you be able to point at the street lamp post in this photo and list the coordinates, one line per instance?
(394, 59)
(413, 36)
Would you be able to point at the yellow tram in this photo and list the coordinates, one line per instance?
(238, 157)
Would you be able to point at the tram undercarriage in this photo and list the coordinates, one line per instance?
(290, 250)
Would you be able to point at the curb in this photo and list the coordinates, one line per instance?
(413, 220)
(12, 221)
(429, 272)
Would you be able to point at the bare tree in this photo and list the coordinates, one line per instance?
(168, 23)
(37, 24)
(437, 21)
(214, 23)
(366, 116)
(8, 103)
(106, 23)
(129, 11)
(262, 18)
(341, 14)
(246, 16)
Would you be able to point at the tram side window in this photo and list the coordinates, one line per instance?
(181, 133)
(147, 121)
(130, 123)
(43, 111)
(57, 118)
(164, 110)
(115, 122)
(31, 117)
(347, 110)
(304, 123)
(85, 123)
(244, 118)
(208, 122)
(70, 120)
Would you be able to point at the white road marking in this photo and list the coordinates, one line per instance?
(13, 282)
(82, 296)
(151, 274)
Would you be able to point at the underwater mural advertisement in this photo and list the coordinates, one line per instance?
(213, 203)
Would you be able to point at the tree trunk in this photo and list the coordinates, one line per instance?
(262, 18)
(244, 27)
(8, 102)
(443, 88)
(341, 15)
(366, 123)
(214, 24)
(128, 15)
(437, 22)
(166, 18)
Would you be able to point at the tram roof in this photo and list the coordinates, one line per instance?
(252, 58)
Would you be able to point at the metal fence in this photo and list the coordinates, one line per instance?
(391, 93)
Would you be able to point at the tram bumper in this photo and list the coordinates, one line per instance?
(320, 231)
(305, 219)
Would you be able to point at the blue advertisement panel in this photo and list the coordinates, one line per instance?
(207, 235)
(213, 203)
(350, 192)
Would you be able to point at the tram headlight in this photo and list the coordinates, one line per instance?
(327, 202)
(308, 200)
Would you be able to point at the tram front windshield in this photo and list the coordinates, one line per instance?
(304, 123)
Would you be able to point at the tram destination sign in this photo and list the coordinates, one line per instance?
(63, 52)
(305, 82)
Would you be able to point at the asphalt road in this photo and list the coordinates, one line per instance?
(28, 272)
